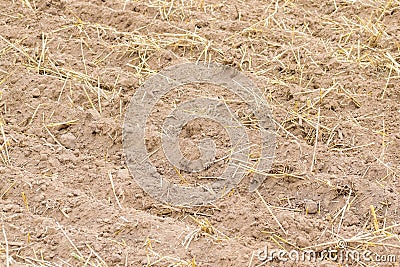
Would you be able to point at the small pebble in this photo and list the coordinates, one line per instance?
(43, 157)
(35, 93)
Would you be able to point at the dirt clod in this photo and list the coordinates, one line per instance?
(35, 92)
(311, 207)
(68, 140)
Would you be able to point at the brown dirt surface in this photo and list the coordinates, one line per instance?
(329, 70)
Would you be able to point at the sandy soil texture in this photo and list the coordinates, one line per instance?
(329, 70)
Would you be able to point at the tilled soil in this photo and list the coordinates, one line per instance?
(329, 71)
